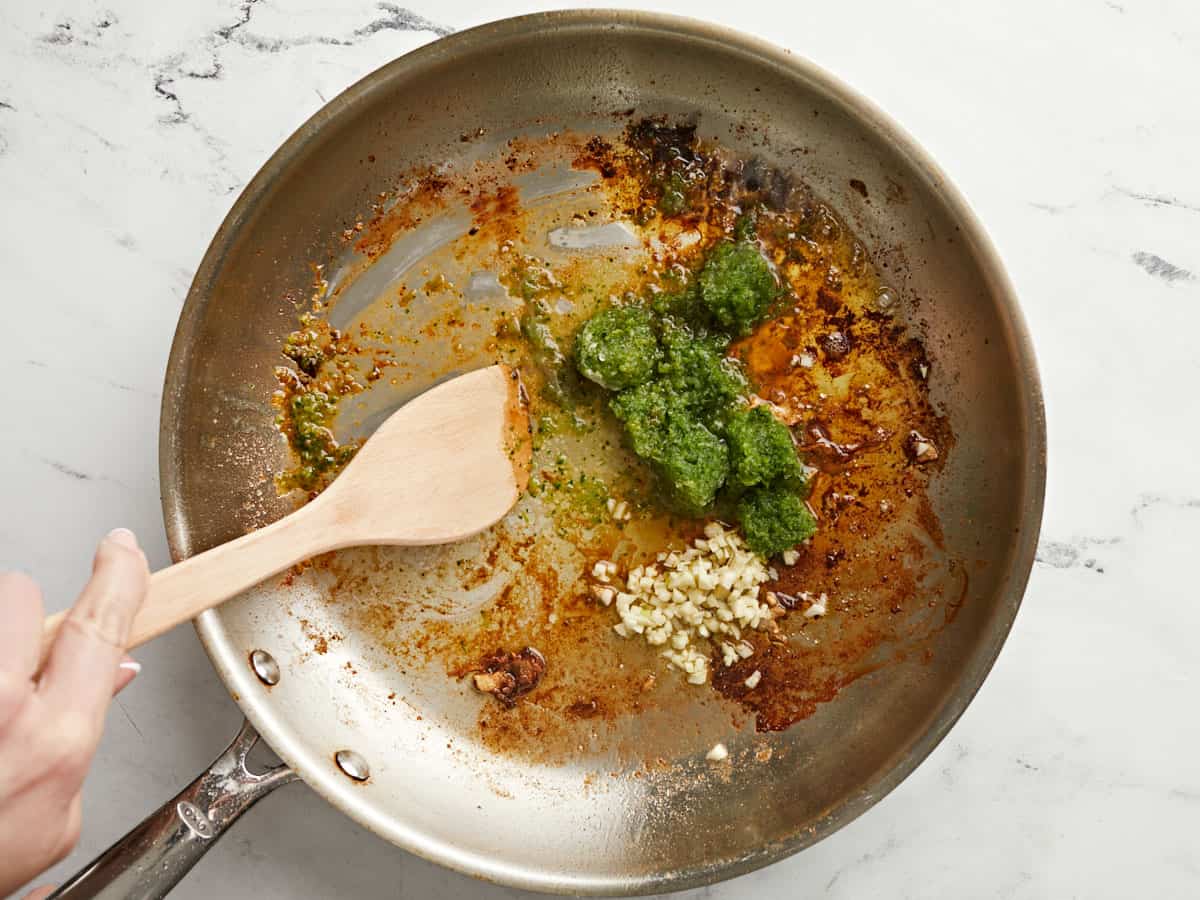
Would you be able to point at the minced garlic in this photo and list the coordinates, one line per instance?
(706, 593)
(619, 510)
(816, 606)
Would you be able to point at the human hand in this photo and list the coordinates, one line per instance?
(50, 722)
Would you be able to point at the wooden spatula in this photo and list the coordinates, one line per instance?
(444, 467)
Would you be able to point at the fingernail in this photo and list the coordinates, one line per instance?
(131, 665)
(124, 537)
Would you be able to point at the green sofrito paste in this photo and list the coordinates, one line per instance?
(309, 416)
(618, 348)
(737, 286)
(683, 402)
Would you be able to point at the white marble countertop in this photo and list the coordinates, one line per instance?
(127, 129)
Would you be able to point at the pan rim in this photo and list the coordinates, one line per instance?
(313, 768)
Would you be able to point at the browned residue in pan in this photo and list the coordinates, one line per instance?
(518, 433)
(394, 215)
(508, 676)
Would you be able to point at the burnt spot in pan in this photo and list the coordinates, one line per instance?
(509, 676)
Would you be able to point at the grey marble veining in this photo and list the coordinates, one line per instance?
(127, 129)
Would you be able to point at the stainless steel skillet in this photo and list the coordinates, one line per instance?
(401, 773)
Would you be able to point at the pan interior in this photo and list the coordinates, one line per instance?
(588, 820)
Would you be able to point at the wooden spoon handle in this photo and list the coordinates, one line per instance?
(183, 591)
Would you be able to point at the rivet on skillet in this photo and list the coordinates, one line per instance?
(352, 764)
(265, 667)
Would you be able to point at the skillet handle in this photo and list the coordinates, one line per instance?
(151, 859)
